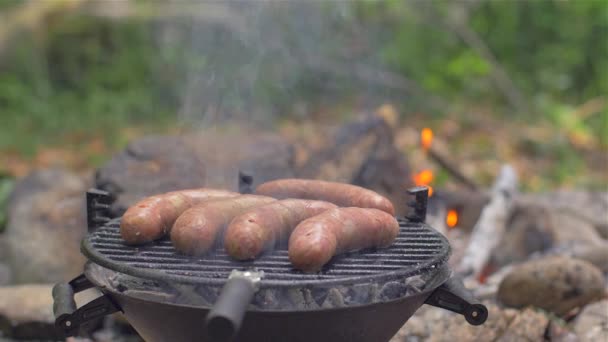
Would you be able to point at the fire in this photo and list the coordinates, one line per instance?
(451, 219)
(424, 178)
(426, 138)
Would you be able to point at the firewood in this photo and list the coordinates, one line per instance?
(491, 225)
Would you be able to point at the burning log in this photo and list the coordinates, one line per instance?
(426, 140)
(491, 225)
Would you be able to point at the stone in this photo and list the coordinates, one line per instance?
(559, 332)
(6, 274)
(158, 164)
(455, 327)
(26, 311)
(596, 254)
(528, 325)
(556, 283)
(150, 165)
(589, 207)
(592, 323)
(47, 221)
(542, 228)
(264, 156)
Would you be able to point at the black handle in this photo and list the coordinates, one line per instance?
(63, 304)
(224, 320)
(68, 319)
(453, 296)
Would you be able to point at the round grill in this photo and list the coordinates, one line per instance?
(417, 249)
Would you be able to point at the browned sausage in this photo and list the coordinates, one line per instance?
(258, 229)
(197, 229)
(316, 240)
(344, 195)
(152, 217)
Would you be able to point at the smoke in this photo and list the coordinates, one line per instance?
(253, 61)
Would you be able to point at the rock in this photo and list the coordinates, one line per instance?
(46, 223)
(265, 156)
(597, 255)
(158, 164)
(455, 327)
(528, 325)
(6, 274)
(586, 206)
(558, 332)
(592, 323)
(557, 284)
(148, 166)
(537, 227)
(433, 324)
(26, 311)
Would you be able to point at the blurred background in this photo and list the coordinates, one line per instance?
(84, 84)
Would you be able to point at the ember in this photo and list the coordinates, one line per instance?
(451, 218)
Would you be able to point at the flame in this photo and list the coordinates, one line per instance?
(424, 178)
(426, 138)
(451, 219)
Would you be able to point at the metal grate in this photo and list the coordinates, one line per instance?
(417, 249)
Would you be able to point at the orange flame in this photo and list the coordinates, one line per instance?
(451, 219)
(424, 178)
(426, 138)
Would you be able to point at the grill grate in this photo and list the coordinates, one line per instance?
(417, 249)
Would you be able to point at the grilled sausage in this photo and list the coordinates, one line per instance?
(316, 240)
(197, 229)
(152, 217)
(258, 229)
(344, 195)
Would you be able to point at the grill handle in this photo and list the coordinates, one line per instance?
(453, 296)
(68, 319)
(224, 319)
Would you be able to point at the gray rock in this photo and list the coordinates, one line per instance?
(586, 206)
(528, 325)
(26, 311)
(455, 328)
(46, 223)
(595, 254)
(592, 323)
(538, 227)
(158, 164)
(263, 155)
(148, 166)
(557, 284)
(6, 275)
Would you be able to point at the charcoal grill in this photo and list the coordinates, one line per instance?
(365, 296)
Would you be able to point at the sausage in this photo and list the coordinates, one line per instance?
(316, 240)
(197, 229)
(258, 229)
(344, 195)
(152, 217)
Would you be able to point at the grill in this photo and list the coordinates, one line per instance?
(417, 249)
(169, 296)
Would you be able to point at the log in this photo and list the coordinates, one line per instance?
(490, 227)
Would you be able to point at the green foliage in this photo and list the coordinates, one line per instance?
(86, 76)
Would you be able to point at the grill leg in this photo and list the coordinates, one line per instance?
(68, 319)
(453, 296)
